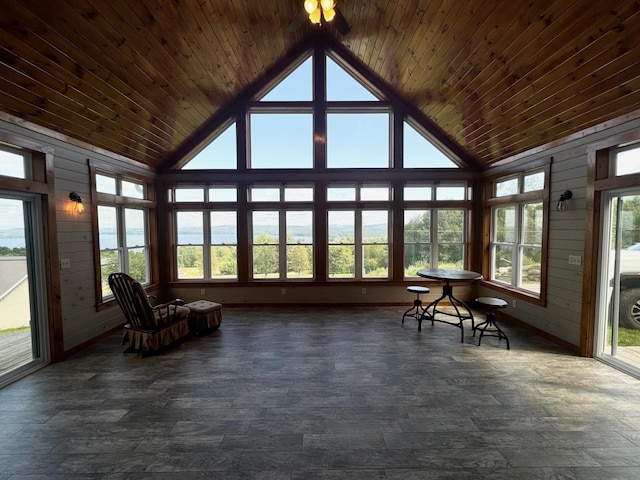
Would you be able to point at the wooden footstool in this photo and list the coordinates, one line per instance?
(204, 316)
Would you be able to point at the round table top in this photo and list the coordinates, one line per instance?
(449, 274)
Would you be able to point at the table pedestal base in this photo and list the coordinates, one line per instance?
(462, 311)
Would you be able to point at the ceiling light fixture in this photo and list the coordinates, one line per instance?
(320, 8)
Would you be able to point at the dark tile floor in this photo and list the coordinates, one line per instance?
(324, 394)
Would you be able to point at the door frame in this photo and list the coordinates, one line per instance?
(600, 180)
(42, 185)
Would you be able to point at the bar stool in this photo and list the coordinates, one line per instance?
(490, 324)
(417, 310)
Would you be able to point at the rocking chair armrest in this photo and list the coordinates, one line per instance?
(177, 301)
(165, 314)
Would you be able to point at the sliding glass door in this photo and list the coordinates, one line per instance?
(618, 328)
(23, 342)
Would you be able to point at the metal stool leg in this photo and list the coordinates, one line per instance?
(495, 330)
(417, 306)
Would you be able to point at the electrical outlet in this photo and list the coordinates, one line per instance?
(364, 291)
(202, 292)
(65, 263)
(514, 303)
(283, 291)
(575, 260)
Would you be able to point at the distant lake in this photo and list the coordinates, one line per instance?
(222, 235)
(12, 242)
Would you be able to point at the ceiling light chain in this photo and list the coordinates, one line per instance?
(318, 8)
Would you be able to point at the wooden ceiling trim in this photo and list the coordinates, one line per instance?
(469, 44)
(76, 118)
(84, 68)
(574, 76)
(501, 71)
(534, 69)
(390, 53)
(479, 59)
(16, 107)
(424, 42)
(47, 60)
(453, 34)
(612, 102)
(581, 86)
(133, 44)
(57, 85)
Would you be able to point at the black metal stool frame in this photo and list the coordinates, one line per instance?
(490, 323)
(417, 303)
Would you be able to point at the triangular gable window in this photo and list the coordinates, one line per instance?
(297, 86)
(221, 153)
(419, 152)
(341, 86)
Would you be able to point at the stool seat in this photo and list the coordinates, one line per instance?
(417, 310)
(204, 316)
(491, 302)
(490, 324)
(417, 289)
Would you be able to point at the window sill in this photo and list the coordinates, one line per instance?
(516, 292)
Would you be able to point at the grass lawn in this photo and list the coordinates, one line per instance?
(627, 337)
(9, 331)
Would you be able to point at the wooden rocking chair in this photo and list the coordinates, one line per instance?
(149, 328)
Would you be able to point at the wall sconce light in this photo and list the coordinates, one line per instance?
(562, 202)
(79, 206)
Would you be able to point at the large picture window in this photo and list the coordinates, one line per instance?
(336, 181)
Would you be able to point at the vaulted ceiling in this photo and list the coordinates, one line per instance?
(142, 78)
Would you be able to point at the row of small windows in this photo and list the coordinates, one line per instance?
(301, 193)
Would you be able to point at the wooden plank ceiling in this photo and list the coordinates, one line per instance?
(139, 77)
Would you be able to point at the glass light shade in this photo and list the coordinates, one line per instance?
(310, 6)
(329, 14)
(78, 207)
(315, 16)
(327, 5)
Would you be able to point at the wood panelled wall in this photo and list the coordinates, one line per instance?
(561, 317)
(81, 322)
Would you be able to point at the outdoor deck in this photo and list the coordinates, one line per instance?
(16, 350)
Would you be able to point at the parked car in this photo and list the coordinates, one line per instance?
(629, 305)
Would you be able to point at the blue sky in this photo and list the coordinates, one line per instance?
(354, 140)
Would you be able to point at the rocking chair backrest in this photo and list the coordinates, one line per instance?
(132, 299)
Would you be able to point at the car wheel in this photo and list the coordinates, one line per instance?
(630, 308)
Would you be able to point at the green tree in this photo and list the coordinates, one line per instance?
(299, 259)
(265, 255)
(138, 265)
(341, 261)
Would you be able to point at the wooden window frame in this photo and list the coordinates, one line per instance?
(519, 199)
(147, 204)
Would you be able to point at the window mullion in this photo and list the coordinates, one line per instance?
(206, 254)
(358, 246)
(282, 247)
(122, 239)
